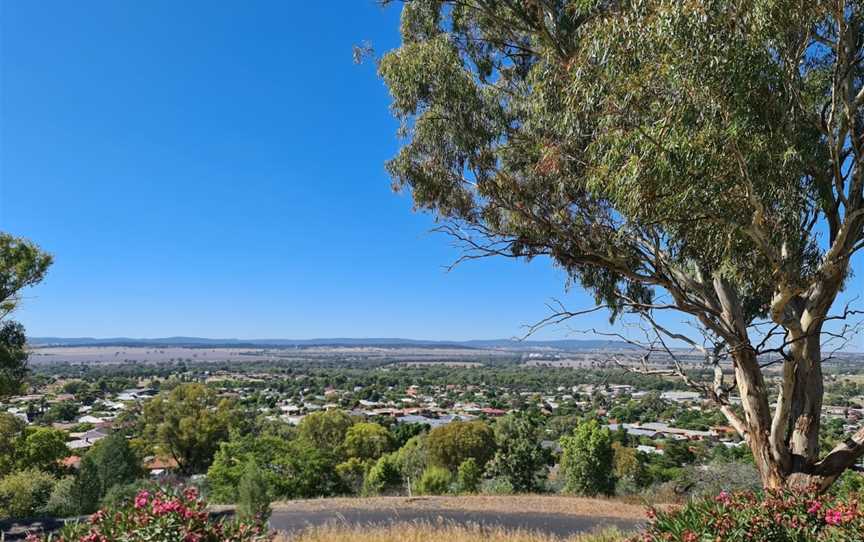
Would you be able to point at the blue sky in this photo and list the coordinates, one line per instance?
(216, 169)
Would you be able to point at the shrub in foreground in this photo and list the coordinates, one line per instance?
(767, 517)
(164, 516)
(24, 493)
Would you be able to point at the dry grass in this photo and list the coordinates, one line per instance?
(542, 504)
(439, 532)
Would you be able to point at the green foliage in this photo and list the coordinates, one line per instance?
(325, 430)
(86, 491)
(850, 482)
(230, 460)
(496, 486)
(309, 472)
(468, 476)
(383, 477)
(413, 458)
(188, 423)
(366, 440)
(61, 503)
(352, 472)
(65, 411)
(254, 498)
(434, 481)
(402, 432)
(22, 264)
(449, 445)
(520, 458)
(41, 448)
(24, 493)
(114, 462)
(629, 469)
(588, 146)
(11, 432)
(587, 460)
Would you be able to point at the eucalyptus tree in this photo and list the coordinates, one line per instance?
(698, 156)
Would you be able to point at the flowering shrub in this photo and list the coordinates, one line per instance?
(770, 517)
(160, 516)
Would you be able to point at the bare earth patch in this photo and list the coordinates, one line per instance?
(546, 504)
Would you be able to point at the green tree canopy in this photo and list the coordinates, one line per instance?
(326, 430)
(449, 445)
(187, 423)
(41, 448)
(231, 459)
(114, 462)
(22, 264)
(520, 458)
(367, 440)
(587, 460)
(700, 157)
(11, 432)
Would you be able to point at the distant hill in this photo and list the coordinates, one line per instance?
(508, 344)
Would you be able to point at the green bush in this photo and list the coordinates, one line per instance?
(60, 504)
(254, 500)
(468, 476)
(383, 477)
(497, 486)
(434, 481)
(25, 493)
(768, 517)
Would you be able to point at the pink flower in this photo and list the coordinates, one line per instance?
(833, 517)
(814, 508)
(690, 536)
(191, 493)
(723, 497)
(141, 499)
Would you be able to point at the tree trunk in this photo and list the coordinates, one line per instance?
(806, 407)
(757, 417)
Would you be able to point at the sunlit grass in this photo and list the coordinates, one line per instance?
(438, 532)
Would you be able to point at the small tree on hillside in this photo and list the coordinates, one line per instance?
(115, 462)
(520, 458)
(587, 460)
(254, 499)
